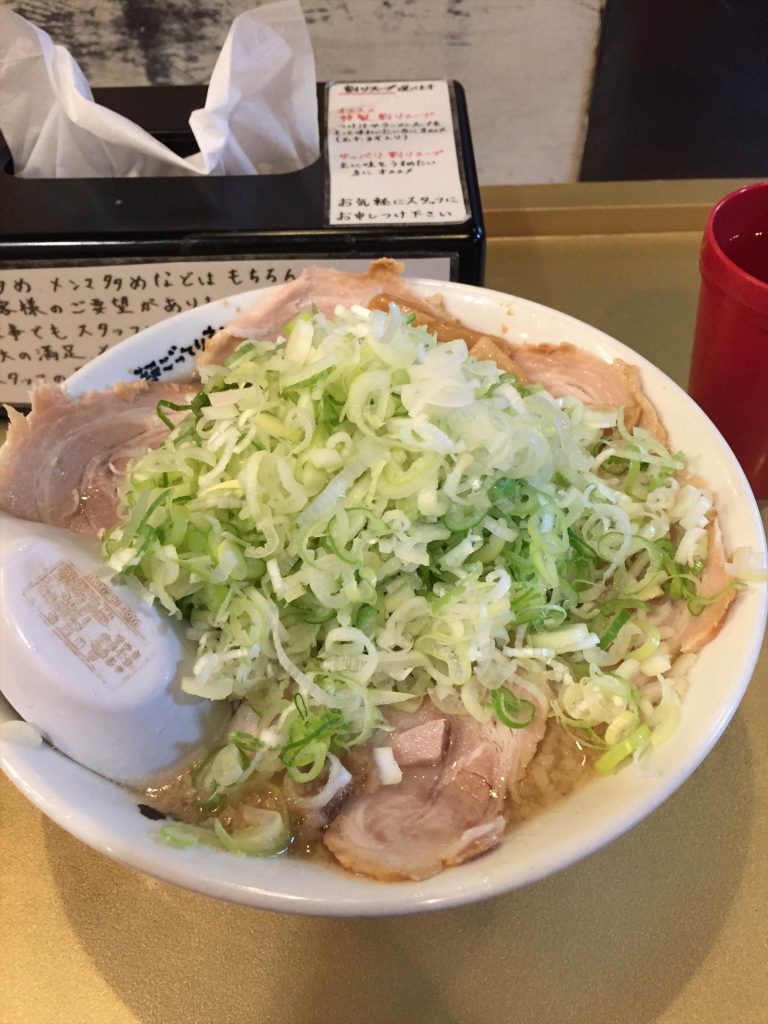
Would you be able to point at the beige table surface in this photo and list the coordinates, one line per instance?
(668, 924)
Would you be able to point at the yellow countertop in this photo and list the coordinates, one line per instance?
(668, 924)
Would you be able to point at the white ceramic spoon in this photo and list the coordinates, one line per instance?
(89, 663)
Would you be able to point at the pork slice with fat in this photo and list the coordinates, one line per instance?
(64, 462)
(568, 370)
(430, 313)
(691, 632)
(316, 286)
(562, 369)
(439, 814)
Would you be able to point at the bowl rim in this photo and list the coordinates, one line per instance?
(40, 774)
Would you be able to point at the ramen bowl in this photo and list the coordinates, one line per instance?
(107, 817)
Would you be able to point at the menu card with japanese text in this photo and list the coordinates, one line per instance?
(392, 155)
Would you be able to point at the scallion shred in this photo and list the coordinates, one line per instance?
(514, 712)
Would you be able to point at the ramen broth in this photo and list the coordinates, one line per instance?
(560, 766)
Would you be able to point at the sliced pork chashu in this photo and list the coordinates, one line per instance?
(562, 369)
(691, 632)
(567, 370)
(63, 463)
(442, 813)
(379, 287)
(316, 286)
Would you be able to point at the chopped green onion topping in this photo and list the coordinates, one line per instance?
(164, 403)
(613, 757)
(357, 517)
(613, 630)
(511, 710)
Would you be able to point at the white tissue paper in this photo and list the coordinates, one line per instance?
(260, 114)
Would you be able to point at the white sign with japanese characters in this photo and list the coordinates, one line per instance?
(392, 154)
(54, 319)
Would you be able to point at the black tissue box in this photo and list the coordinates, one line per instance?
(85, 262)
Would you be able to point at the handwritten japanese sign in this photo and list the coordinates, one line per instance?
(54, 319)
(392, 154)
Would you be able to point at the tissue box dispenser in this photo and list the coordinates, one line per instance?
(92, 220)
(59, 236)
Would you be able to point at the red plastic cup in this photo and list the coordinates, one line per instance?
(729, 370)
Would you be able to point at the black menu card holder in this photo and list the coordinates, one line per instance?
(64, 225)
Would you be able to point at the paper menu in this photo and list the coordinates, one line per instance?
(392, 155)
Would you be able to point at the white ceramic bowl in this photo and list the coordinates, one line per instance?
(106, 817)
